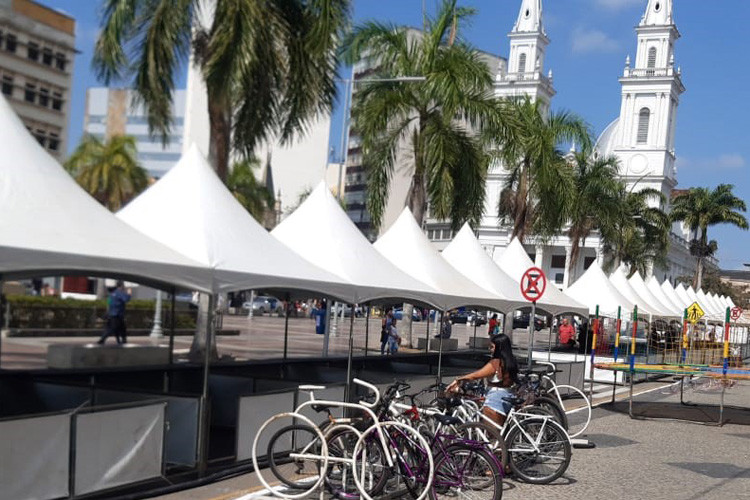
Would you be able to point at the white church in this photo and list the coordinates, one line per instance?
(642, 137)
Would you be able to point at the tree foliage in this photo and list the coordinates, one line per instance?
(535, 199)
(269, 66)
(243, 184)
(438, 119)
(109, 171)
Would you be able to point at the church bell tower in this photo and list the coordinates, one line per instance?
(651, 89)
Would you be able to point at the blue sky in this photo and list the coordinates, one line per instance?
(589, 42)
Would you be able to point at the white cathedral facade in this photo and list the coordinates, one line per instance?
(642, 137)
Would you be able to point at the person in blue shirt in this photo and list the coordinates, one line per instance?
(116, 301)
(320, 318)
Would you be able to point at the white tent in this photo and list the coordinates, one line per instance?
(320, 231)
(717, 307)
(643, 291)
(50, 226)
(682, 293)
(664, 298)
(407, 247)
(468, 257)
(711, 309)
(620, 281)
(719, 303)
(515, 261)
(675, 297)
(593, 288)
(191, 211)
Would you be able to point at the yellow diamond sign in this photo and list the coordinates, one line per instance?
(695, 313)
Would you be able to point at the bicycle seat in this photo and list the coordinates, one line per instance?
(322, 407)
(447, 419)
(311, 387)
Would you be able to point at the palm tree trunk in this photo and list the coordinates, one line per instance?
(701, 255)
(220, 123)
(575, 250)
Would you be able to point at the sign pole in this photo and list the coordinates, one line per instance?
(617, 348)
(684, 336)
(727, 324)
(632, 341)
(532, 319)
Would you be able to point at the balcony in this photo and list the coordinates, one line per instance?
(528, 76)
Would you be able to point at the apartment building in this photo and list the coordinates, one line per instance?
(37, 48)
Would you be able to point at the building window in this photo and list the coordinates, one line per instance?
(43, 97)
(30, 94)
(522, 63)
(559, 277)
(7, 85)
(651, 64)
(47, 57)
(11, 42)
(587, 261)
(54, 142)
(40, 137)
(558, 261)
(57, 101)
(643, 119)
(32, 51)
(60, 61)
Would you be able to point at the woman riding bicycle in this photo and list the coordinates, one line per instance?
(502, 372)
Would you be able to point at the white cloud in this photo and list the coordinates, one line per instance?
(733, 160)
(723, 161)
(593, 41)
(617, 4)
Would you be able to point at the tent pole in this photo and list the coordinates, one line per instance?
(348, 395)
(593, 354)
(286, 328)
(4, 313)
(367, 328)
(203, 422)
(327, 329)
(617, 348)
(427, 333)
(474, 345)
(549, 346)
(440, 351)
(172, 321)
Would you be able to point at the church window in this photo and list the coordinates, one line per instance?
(651, 64)
(522, 63)
(643, 119)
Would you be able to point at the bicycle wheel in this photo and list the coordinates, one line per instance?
(538, 450)
(466, 471)
(573, 428)
(339, 480)
(553, 406)
(299, 439)
(489, 436)
(306, 454)
(411, 467)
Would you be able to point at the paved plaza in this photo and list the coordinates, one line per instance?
(261, 337)
(633, 459)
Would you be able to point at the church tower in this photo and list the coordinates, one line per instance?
(643, 136)
(524, 75)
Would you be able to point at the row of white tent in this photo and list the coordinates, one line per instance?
(188, 231)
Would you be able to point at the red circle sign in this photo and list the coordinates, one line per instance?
(736, 313)
(533, 284)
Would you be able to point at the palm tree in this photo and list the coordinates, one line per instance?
(539, 183)
(699, 208)
(268, 66)
(432, 124)
(241, 181)
(109, 171)
(595, 186)
(639, 236)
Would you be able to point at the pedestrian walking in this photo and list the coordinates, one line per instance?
(445, 328)
(319, 313)
(116, 302)
(385, 329)
(494, 326)
(393, 339)
(567, 334)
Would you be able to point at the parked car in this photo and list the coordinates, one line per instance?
(358, 311)
(468, 317)
(264, 304)
(416, 315)
(522, 321)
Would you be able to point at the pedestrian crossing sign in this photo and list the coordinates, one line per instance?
(695, 313)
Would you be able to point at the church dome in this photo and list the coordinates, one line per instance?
(605, 145)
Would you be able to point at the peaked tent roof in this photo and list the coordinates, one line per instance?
(49, 225)
(191, 211)
(407, 247)
(671, 292)
(708, 305)
(643, 291)
(515, 261)
(320, 231)
(468, 257)
(659, 293)
(682, 293)
(594, 288)
(620, 281)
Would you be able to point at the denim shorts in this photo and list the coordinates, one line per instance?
(494, 400)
